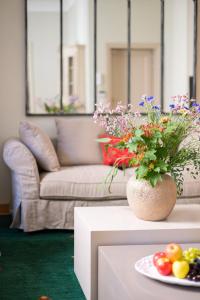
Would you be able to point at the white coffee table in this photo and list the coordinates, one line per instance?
(104, 226)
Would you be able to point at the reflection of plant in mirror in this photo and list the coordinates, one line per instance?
(71, 107)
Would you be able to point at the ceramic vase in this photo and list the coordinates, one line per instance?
(152, 203)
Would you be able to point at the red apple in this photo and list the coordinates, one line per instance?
(164, 266)
(158, 255)
(173, 252)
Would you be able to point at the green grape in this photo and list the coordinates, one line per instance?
(190, 254)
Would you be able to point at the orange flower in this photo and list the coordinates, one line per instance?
(127, 137)
(149, 129)
(148, 133)
(140, 156)
(164, 120)
(141, 148)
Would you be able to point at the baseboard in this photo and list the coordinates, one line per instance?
(4, 209)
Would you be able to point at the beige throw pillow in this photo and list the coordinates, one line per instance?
(76, 141)
(40, 145)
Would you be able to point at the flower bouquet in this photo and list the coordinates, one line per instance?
(157, 143)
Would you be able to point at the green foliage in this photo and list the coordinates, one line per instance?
(161, 144)
(187, 159)
(51, 108)
(103, 140)
(68, 108)
(158, 149)
(149, 156)
(141, 171)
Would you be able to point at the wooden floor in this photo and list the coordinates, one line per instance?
(4, 209)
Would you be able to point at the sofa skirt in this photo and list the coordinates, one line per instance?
(39, 214)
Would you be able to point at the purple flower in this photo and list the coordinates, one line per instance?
(141, 103)
(72, 99)
(156, 107)
(198, 109)
(150, 98)
(172, 106)
(195, 104)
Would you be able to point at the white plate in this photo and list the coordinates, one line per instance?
(145, 266)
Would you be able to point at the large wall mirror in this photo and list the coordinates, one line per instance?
(81, 52)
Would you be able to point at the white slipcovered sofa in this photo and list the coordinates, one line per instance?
(46, 200)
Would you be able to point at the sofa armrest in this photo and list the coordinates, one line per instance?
(24, 168)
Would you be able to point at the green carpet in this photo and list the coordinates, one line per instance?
(37, 264)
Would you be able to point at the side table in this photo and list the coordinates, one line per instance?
(100, 226)
(117, 278)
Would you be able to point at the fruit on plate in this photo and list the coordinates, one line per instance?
(180, 268)
(191, 254)
(164, 266)
(182, 264)
(194, 273)
(158, 255)
(173, 252)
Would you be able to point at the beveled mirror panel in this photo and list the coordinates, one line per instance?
(112, 63)
(43, 55)
(78, 58)
(179, 59)
(60, 57)
(82, 52)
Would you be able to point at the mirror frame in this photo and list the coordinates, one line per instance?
(192, 92)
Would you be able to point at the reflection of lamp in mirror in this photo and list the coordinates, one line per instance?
(101, 93)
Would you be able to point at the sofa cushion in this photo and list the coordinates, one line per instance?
(40, 145)
(87, 182)
(76, 141)
(83, 182)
